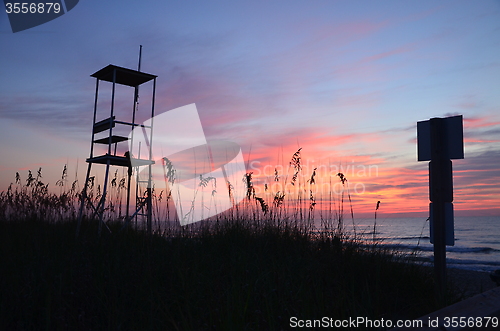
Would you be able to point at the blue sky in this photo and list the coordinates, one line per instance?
(345, 80)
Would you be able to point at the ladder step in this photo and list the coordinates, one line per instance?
(104, 125)
(114, 139)
(134, 124)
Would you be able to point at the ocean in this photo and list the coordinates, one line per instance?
(477, 239)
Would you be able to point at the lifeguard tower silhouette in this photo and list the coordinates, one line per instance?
(143, 207)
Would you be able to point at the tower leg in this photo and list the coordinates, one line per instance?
(103, 199)
(149, 211)
(129, 177)
(127, 212)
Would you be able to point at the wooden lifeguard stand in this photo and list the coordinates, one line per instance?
(132, 78)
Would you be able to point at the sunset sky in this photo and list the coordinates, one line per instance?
(346, 81)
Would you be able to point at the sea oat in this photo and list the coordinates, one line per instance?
(113, 181)
(278, 198)
(295, 162)
(170, 171)
(343, 179)
(204, 181)
(247, 179)
(312, 180)
(312, 200)
(263, 205)
(64, 175)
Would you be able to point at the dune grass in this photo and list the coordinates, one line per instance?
(231, 278)
(243, 271)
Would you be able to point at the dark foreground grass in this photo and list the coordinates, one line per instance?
(232, 278)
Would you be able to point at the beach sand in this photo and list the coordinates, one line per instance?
(469, 282)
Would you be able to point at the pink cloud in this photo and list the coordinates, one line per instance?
(479, 122)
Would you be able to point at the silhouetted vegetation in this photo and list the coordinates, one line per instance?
(240, 271)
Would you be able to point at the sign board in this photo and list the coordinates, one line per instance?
(440, 181)
(448, 224)
(453, 136)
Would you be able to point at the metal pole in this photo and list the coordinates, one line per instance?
(129, 175)
(95, 116)
(105, 185)
(140, 57)
(84, 192)
(437, 174)
(150, 197)
(135, 108)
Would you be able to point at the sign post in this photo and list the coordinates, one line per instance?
(440, 140)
